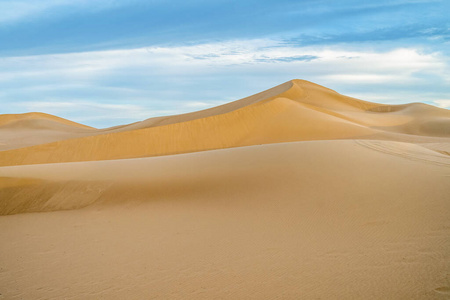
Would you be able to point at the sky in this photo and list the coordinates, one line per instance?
(110, 62)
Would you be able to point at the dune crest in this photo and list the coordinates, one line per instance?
(34, 116)
(29, 129)
(297, 110)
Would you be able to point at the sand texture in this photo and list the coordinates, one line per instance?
(297, 192)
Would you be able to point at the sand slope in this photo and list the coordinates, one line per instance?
(324, 219)
(294, 111)
(294, 193)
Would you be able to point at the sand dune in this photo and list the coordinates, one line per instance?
(11, 118)
(297, 192)
(29, 129)
(294, 111)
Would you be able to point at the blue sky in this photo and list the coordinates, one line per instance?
(108, 62)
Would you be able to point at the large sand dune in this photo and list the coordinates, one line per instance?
(294, 111)
(297, 192)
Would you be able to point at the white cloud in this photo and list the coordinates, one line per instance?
(361, 78)
(334, 64)
(161, 80)
(444, 103)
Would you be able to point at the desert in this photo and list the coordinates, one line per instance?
(297, 192)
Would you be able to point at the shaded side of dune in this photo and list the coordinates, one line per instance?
(254, 171)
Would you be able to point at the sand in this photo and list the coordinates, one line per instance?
(294, 193)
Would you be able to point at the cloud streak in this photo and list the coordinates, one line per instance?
(443, 103)
(135, 84)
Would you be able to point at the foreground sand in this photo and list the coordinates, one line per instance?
(362, 214)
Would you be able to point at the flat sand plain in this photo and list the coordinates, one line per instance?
(297, 192)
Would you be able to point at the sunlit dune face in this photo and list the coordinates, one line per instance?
(295, 192)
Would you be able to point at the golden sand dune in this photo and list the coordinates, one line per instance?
(23, 130)
(294, 111)
(294, 193)
(17, 118)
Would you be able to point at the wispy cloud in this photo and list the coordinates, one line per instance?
(139, 83)
(86, 66)
(444, 103)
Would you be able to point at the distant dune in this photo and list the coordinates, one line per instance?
(23, 130)
(297, 192)
(294, 111)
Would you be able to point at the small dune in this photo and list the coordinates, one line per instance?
(29, 129)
